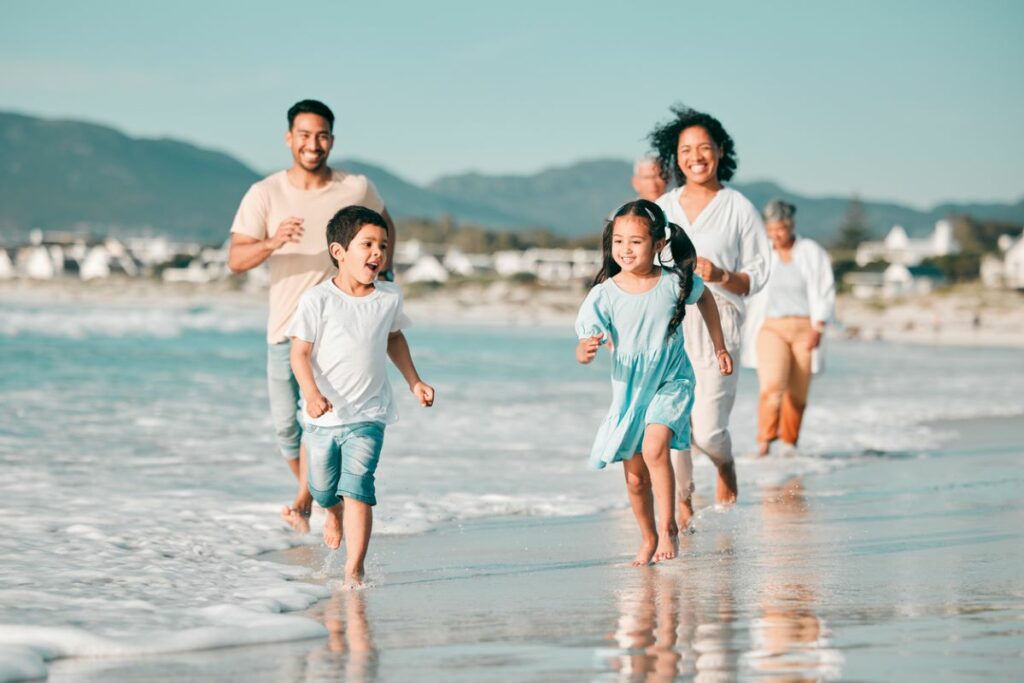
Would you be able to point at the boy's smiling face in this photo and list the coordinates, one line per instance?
(365, 256)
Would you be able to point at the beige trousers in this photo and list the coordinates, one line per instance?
(784, 373)
(713, 396)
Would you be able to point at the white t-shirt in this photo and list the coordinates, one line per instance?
(350, 338)
(297, 266)
(729, 233)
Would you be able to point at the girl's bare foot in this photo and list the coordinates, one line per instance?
(646, 552)
(668, 546)
(762, 448)
(332, 527)
(354, 580)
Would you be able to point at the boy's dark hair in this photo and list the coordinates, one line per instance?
(665, 141)
(310, 107)
(347, 223)
(684, 254)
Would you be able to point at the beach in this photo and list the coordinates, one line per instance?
(887, 548)
(891, 570)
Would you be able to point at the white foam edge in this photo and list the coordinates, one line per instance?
(25, 649)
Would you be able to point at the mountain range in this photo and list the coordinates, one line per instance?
(72, 175)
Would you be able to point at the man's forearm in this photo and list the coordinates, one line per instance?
(246, 256)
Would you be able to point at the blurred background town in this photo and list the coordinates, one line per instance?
(94, 207)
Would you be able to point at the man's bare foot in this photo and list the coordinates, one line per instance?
(646, 552)
(685, 512)
(295, 518)
(762, 448)
(332, 527)
(727, 490)
(668, 546)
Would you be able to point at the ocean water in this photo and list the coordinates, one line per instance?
(139, 481)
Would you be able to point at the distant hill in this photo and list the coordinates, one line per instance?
(72, 175)
(572, 199)
(67, 174)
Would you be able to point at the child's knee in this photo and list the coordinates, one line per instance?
(325, 499)
(637, 482)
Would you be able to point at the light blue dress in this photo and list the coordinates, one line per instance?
(652, 379)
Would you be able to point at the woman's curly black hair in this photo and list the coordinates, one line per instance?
(664, 140)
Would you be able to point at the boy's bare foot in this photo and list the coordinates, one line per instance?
(646, 552)
(762, 448)
(295, 518)
(727, 490)
(332, 527)
(668, 546)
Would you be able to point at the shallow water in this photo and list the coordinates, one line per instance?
(140, 485)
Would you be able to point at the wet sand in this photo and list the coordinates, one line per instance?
(907, 567)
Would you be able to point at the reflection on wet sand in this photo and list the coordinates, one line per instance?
(671, 628)
(789, 641)
(349, 654)
(680, 626)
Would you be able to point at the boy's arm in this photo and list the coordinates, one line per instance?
(398, 352)
(302, 367)
(709, 311)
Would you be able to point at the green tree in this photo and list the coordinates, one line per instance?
(854, 229)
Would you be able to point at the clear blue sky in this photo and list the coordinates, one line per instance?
(918, 102)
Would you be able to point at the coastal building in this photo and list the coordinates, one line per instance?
(549, 265)
(902, 281)
(865, 285)
(898, 247)
(458, 262)
(1005, 269)
(426, 269)
(896, 281)
(7, 271)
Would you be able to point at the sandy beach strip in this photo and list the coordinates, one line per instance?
(905, 562)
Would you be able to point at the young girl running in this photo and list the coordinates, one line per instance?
(636, 307)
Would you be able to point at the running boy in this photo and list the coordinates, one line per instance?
(340, 334)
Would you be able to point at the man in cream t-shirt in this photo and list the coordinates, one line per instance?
(283, 220)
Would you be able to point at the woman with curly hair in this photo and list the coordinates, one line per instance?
(733, 257)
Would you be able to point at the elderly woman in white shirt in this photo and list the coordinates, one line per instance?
(785, 326)
(732, 258)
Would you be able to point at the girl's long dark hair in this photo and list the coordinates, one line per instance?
(684, 255)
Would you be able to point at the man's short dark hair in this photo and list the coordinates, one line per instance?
(347, 223)
(311, 107)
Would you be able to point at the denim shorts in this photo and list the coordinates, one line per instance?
(343, 461)
(285, 404)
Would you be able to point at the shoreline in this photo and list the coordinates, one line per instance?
(967, 317)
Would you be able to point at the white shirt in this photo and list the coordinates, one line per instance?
(729, 233)
(816, 268)
(350, 339)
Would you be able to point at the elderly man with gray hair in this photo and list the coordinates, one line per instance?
(785, 322)
(647, 180)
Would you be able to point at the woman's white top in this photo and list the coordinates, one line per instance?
(729, 233)
(786, 291)
(815, 268)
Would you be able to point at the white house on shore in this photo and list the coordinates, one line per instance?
(898, 247)
(549, 265)
(1006, 270)
(894, 282)
(7, 271)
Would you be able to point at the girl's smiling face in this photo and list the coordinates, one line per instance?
(633, 249)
